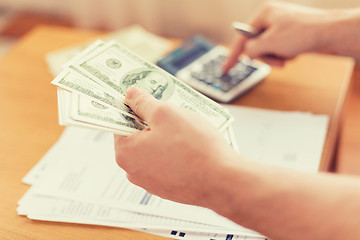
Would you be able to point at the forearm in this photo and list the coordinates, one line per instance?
(342, 32)
(279, 203)
(284, 204)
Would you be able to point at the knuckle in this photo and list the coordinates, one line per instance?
(131, 178)
(124, 163)
(161, 112)
(162, 109)
(134, 179)
(122, 155)
(120, 158)
(136, 103)
(136, 107)
(119, 140)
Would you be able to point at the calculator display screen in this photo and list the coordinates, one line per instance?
(190, 56)
(189, 51)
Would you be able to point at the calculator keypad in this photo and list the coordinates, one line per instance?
(205, 75)
(210, 73)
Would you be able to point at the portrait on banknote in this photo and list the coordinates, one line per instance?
(154, 82)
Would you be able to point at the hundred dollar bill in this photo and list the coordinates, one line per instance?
(82, 111)
(87, 110)
(74, 81)
(116, 68)
(64, 107)
(75, 109)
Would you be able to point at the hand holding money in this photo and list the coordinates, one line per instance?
(93, 84)
(173, 142)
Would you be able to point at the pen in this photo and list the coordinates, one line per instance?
(246, 29)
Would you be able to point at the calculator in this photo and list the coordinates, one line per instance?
(198, 62)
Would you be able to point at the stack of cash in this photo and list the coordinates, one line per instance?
(92, 87)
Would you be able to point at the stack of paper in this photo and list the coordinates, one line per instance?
(78, 181)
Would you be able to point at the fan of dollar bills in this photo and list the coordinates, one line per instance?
(92, 86)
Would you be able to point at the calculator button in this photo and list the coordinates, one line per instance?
(211, 74)
(206, 74)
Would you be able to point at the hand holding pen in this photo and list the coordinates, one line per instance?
(278, 32)
(247, 32)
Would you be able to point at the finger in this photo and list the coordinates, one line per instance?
(233, 57)
(261, 46)
(124, 147)
(257, 49)
(274, 61)
(142, 103)
(119, 142)
(254, 48)
(258, 21)
(119, 138)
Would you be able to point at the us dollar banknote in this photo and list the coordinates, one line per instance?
(88, 110)
(77, 82)
(79, 110)
(116, 69)
(74, 81)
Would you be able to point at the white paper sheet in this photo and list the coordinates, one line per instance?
(79, 181)
(293, 140)
(91, 174)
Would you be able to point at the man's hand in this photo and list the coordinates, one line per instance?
(177, 157)
(181, 157)
(287, 30)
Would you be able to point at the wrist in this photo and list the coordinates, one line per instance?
(340, 32)
(236, 186)
(219, 182)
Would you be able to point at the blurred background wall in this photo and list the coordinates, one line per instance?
(174, 18)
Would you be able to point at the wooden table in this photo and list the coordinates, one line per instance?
(30, 127)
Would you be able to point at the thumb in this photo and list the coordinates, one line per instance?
(141, 102)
